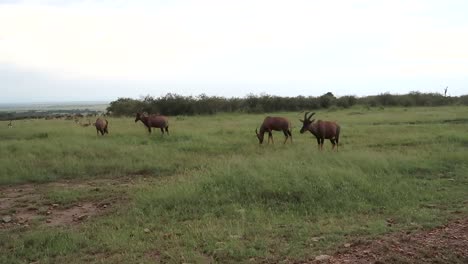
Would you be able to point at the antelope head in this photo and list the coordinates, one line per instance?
(306, 122)
(259, 136)
(138, 116)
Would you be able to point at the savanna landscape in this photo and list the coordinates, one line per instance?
(395, 192)
(233, 132)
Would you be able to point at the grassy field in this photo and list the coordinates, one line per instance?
(210, 193)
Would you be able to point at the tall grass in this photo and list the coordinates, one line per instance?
(219, 196)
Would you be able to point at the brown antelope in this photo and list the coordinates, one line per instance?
(101, 126)
(321, 130)
(274, 123)
(158, 121)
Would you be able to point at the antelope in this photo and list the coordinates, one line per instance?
(101, 126)
(85, 125)
(321, 130)
(158, 121)
(274, 123)
(10, 125)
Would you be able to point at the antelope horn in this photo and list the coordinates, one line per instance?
(310, 115)
(305, 115)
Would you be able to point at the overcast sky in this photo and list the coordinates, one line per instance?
(101, 50)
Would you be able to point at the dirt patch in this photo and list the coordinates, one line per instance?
(17, 197)
(121, 181)
(27, 204)
(53, 216)
(444, 244)
(73, 214)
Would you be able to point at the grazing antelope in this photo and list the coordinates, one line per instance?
(101, 126)
(274, 123)
(158, 121)
(321, 130)
(10, 125)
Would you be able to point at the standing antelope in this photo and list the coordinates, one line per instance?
(158, 121)
(101, 126)
(321, 130)
(10, 125)
(274, 123)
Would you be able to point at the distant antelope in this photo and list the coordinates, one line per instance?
(274, 123)
(85, 124)
(101, 126)
(158, 121)
(321, 130)
(10, 125)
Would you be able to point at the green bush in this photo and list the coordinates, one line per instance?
(174, 104)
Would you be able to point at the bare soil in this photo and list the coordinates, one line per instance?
(444, 244)
(24, 205)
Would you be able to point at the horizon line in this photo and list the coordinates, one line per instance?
(103, 101)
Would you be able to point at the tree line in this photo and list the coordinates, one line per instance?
(175, 104)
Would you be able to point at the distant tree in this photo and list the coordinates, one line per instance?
(386, 99)
(174, 104)
(346, 101)
(327, 100)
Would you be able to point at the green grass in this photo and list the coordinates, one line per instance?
(214, 194)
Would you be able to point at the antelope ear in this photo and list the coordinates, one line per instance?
(256, 132)
(302, 121)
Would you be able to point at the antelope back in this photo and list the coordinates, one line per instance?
(326, 129)
(158, 121)
(276, 123)
(100, 123)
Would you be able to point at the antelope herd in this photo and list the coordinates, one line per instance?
(320, 129)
